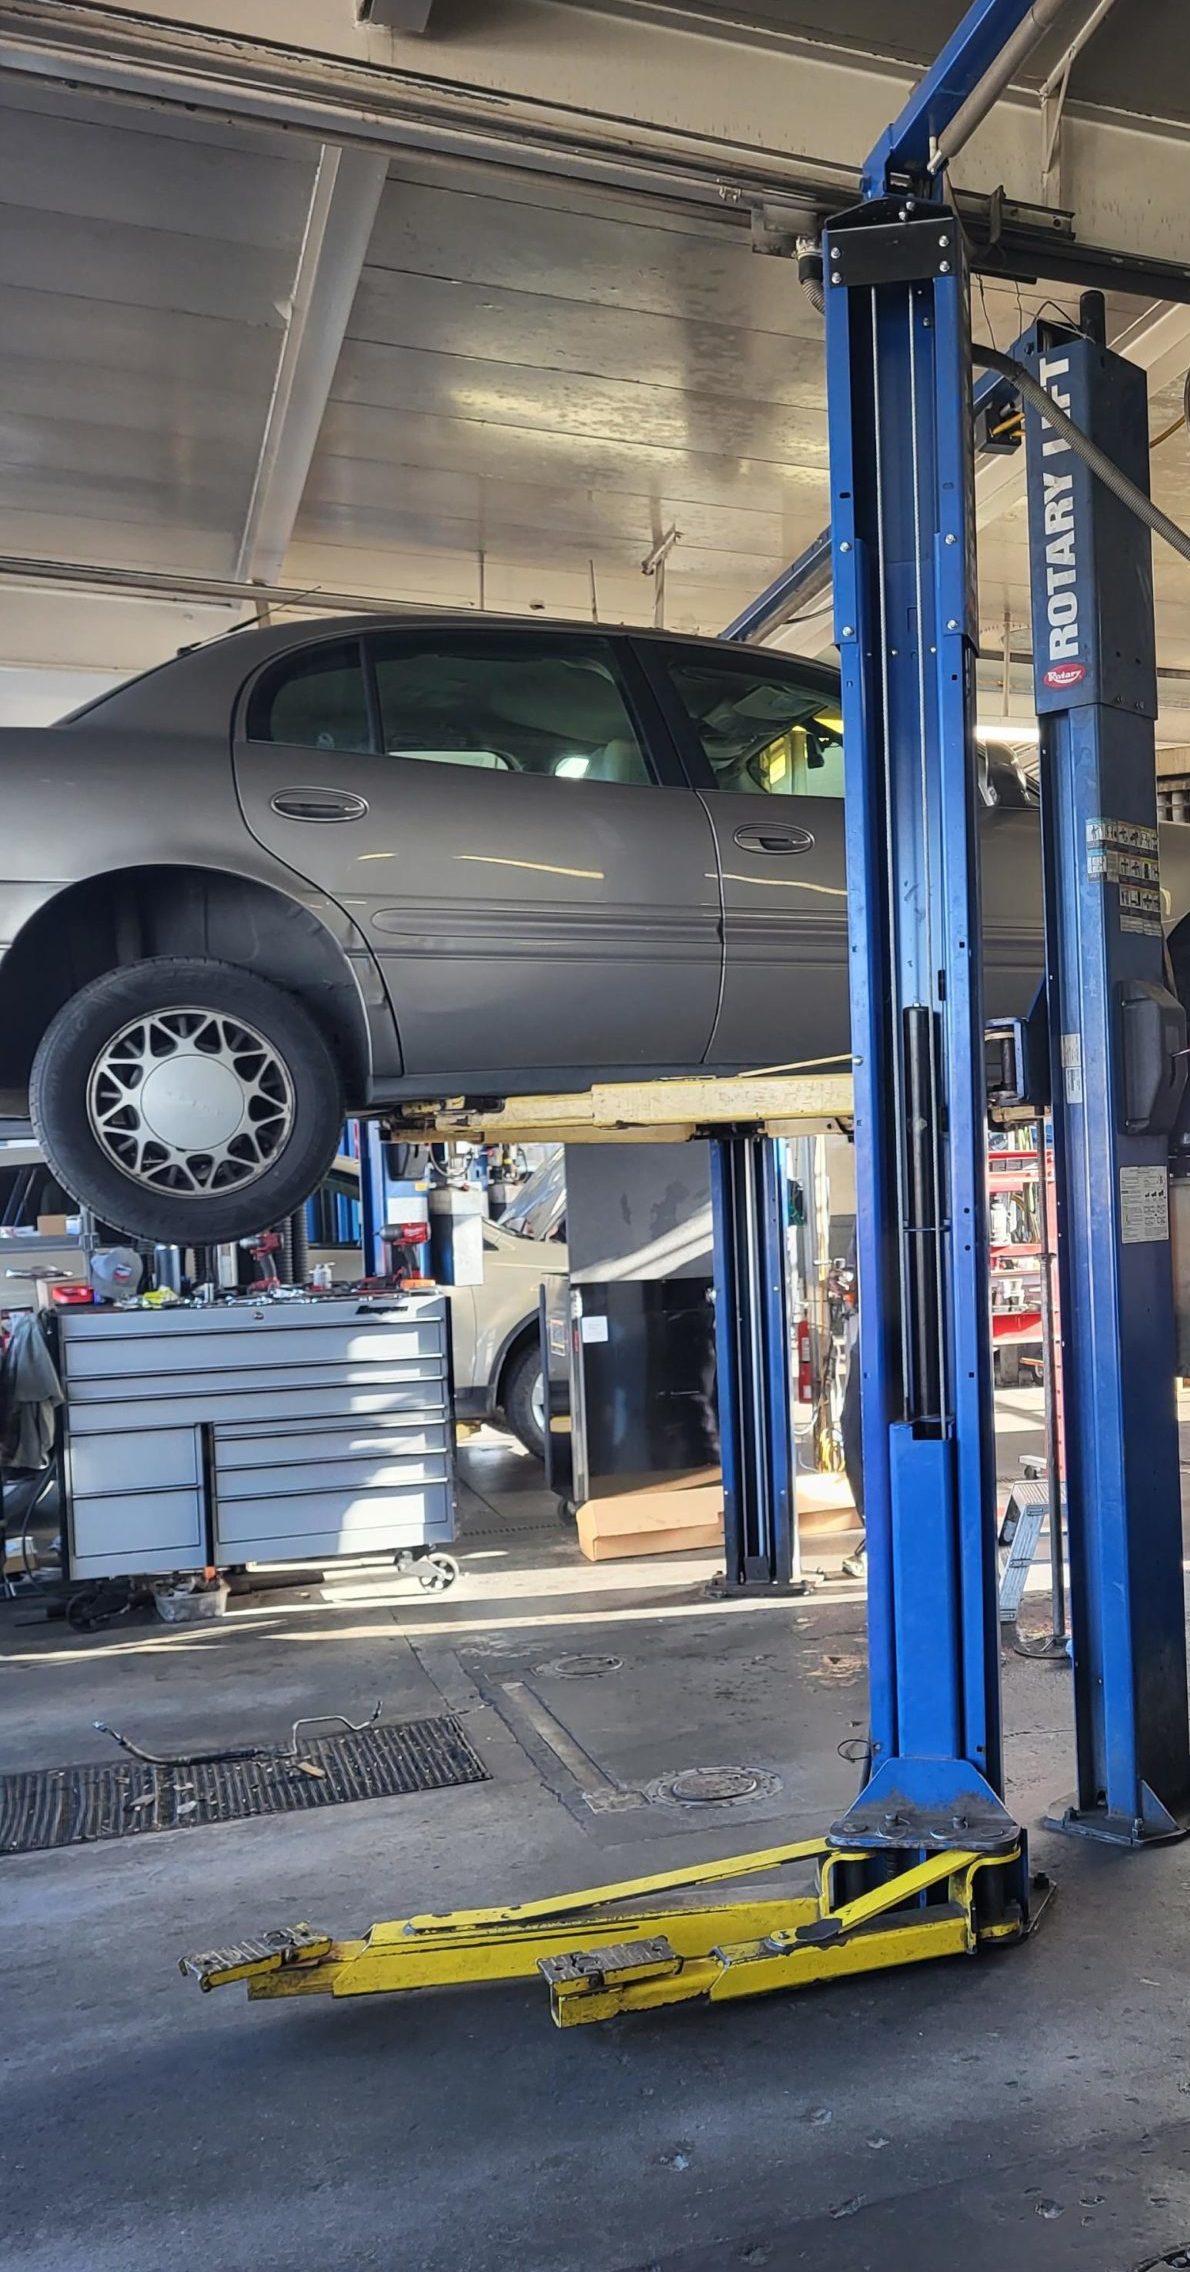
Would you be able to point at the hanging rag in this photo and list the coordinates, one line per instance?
(30, 1392)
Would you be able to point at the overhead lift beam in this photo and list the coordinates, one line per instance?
(553, 96)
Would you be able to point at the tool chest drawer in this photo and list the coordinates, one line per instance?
(326, 1523)
(371, 1473)
(155, 1459)
(157, 1531)
(387, 1436)
(271, 1340)
(266, 1394)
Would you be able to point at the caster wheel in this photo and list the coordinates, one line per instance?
(567, 1512)
(405, 1561)
(97, 1605)
(83, 1611)
(437, 1573)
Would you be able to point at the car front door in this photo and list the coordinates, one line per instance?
(501, 813)
(761, 739)
(761, 736)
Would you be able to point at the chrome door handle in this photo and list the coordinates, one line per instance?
(319, 804)
(757, 836)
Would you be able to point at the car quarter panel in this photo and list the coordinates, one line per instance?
(83, 803)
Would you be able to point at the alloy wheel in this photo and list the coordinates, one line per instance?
(191, 1101)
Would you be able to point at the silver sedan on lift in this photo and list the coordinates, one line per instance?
(318, 869)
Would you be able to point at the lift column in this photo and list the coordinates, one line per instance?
(899, 385)
(1116, 1032)
(752, 1349)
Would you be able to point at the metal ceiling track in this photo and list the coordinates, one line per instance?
(30, 573)
(126, 58)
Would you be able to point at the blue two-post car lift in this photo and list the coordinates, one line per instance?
(928, 1860)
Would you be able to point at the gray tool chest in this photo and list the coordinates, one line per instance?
(255, 1432)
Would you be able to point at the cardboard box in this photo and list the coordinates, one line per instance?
(687, 1516)
(52, 1226)
(667, 1521)
(824, 1504)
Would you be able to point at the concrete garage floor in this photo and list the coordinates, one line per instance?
(1034, 2106)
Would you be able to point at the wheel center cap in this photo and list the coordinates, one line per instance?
(191, 1102)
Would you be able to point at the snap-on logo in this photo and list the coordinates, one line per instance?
(1061, 675)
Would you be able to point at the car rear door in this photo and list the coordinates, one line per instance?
(501, 813)
(760, 737)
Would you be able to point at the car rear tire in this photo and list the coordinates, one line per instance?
(186, 1101)
(523, 1399)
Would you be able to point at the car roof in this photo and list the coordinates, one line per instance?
(198, 687)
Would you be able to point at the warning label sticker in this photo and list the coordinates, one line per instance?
(1127, 867)
(1144, 1206)
(1072, 1068)
(1128, 835)
(1122, 853)
(1139, 900)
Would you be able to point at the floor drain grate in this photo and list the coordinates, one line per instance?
(509, 1526)
(74, 1806)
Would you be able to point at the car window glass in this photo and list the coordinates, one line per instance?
(315, 699)
(761, 730)
(1006, 784)
(508, 706)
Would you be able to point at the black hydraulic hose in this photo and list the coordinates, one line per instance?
(809, 272)
(237, 1751)
(1108, 471)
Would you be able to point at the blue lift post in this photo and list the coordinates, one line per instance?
(752, 1351)
(1117, 1079)
(373, 1193)
(906, 620)
(378, 1190)
(792, 595)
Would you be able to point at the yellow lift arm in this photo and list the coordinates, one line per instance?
(621, 1948)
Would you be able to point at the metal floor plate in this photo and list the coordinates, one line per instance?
(73, 1806)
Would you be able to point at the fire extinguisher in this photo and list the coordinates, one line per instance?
(805, 1383)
